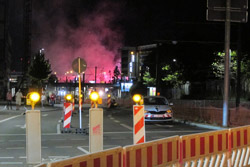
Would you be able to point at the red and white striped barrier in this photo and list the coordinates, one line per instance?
(68, 107)
(109, 102)
(107, 158)
(162, 152)
(139, 124)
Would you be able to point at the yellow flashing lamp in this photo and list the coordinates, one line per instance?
(94, 96)
(68, 97)
(109, 95)
(34, 97)
(137, 98)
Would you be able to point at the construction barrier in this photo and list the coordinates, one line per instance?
(138, 124)
(67, 114)
(107, 158)
(109, 102)
(204, 149)
(240, 146)
(41, 165)
(222, 148)
(163, 152)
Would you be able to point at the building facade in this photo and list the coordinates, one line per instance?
(5, 48)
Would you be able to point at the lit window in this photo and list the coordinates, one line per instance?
(133, 58)
(130, 67)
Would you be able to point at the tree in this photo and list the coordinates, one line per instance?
(40, 70)
(53, 79)
(172, 78)
(148, 80)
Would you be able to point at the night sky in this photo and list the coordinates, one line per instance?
(95, 30)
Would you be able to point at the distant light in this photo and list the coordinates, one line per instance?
(132, 53)
(174, 60)
(55, 73)
(100, 92)
(71, 71)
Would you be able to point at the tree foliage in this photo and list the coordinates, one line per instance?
(40, 69)
(218, 66)
(172, 78)
(148, 80)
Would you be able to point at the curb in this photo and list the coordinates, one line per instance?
(200, 125)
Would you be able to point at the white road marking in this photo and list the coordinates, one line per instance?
(116, 121)
(58, 139)
(126, 126)
(111, 118)
(44, 147)
(82, 149)
(11, 163)
(45, 115)
(58, 131)
(22, 157)
(58, 157)
(16, 140)
(15, 148)
(4, 120)
(158, 125)
(64, 146)
(6, 157)
(23, 127)
(59, 121)
(78, 139)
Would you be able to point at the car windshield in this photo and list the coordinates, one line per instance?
(155, 101)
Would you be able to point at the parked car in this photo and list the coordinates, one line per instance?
(157, 108)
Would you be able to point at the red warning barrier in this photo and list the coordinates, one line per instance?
(240, 146)
(197, 148)
(139, 124)
(109, 102)
(107, 158)
(67, 115)
(161, 152)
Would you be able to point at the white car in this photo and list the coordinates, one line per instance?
(157, 109)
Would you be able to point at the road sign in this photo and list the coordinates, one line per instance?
(220, 15)
(79, 65)
(235, 4)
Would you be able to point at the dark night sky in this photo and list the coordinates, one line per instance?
(128, 23)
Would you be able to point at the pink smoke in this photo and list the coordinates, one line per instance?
(95, 39)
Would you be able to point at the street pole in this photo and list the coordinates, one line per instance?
(80, 91)
(227, 64)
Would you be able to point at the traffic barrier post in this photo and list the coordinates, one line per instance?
(109, 102)
(139, 124)
(95, 129)
(108, 158)
(68, 107)
(163, 152)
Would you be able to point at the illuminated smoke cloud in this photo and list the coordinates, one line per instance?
(93, 37)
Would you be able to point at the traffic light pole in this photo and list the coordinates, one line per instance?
(227, 64)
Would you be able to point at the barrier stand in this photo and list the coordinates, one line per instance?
(138, 121)
(109, 101)
(33, 131)
(95, 125)
(68, 107)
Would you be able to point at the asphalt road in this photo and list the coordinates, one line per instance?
(57, 144)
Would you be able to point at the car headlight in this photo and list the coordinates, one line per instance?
(168, 111)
